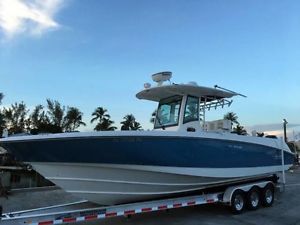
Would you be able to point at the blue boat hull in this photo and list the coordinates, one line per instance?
(120, 169)
(149, 150)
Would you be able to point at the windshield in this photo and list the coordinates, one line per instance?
(191, 109)
(168, 112)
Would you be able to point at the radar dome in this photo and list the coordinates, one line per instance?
(161, 77)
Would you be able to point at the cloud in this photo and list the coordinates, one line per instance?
(272, 127)
(32, 17)
(293, 130)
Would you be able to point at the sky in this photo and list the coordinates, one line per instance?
(100, 53)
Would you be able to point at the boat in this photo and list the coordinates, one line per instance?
(184, 153)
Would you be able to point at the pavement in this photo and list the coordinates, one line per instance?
(285, 210)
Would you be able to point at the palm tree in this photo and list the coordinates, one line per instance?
(104, 122)
(240, 130)
(153, 116)
(136, 126)
(73, 119)
(231, 116)
(99, 114)
(130, 123)
(260, 134)
(105, 125)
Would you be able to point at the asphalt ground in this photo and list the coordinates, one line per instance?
(285, 210)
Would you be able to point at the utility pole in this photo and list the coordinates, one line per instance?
(284, 130)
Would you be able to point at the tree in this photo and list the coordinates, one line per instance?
(55, 120)
(73, 119)
(1, 97)
(104, 122)
(15, 118)
(27, 124)
(240, 130)
(38, 117)
(55, 114)
(130, 123)
(153, 116)
(100, 114)
(136, 126)
(40, 122)
(2, 121)
(260, 134)
(232, 117)
(105, 125)
(52, 120)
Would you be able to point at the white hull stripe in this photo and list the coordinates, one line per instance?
(126, 182)
(198, 172)
(206, 172)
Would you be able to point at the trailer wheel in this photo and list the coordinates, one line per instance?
(267, 195)
(237, 202)
(253, 198)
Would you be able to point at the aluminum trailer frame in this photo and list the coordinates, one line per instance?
(82, 211)
(46, 216)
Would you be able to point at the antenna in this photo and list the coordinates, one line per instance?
(233, 92)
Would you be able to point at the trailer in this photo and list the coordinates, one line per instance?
(238, 197)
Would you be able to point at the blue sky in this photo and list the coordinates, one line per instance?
(99, 53)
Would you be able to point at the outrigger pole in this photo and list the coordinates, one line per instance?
(216, 86)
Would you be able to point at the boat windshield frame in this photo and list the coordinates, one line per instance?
(158, 124)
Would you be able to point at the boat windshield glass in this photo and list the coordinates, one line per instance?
(168, 112)
(191, 109)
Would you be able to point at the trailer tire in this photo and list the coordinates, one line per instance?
(237, 202)
(267, 195)
(253, 198)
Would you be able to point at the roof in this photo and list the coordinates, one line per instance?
(162, 92)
